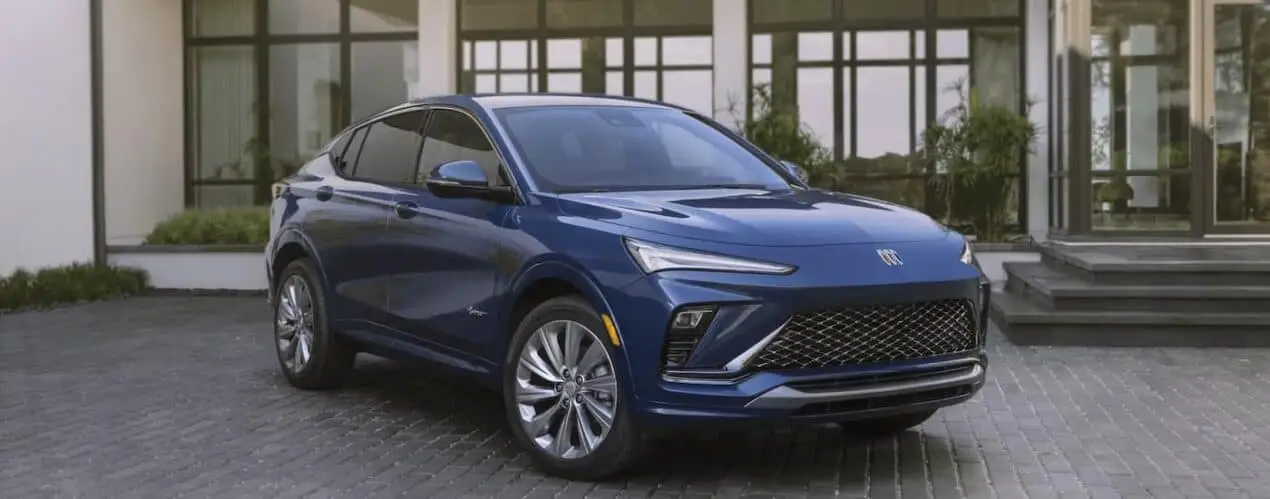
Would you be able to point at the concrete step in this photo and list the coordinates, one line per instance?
(1026, 323)
(1055, 290)
(1146, 266)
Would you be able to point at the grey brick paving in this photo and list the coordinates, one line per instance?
(180, 397)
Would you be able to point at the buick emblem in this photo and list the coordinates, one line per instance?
(890, 257)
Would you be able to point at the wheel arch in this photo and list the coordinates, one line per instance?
(289, 247)
(546, 280)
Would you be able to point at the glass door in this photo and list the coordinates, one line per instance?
(1234, 46)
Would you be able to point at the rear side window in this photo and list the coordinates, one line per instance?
(344, 153)
(390, 151)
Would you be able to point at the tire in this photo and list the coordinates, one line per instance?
(329, 357)
(621, 446)
(887, 426)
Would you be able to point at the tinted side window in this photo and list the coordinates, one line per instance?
(454, 136)
(391, 148)
(345, 155)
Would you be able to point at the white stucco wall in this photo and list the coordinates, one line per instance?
(46, 205)
(731, 59)
(438, 32)
(142, 115)
(1037, 29)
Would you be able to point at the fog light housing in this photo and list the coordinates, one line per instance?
(687, 326)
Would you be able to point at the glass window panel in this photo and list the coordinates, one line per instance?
(222, 17)
(289, 17)
(646, 51)
(693, 89)
(467, 55)
(909, 192)
(584, 13)
(1243, 115)
(919, 44)
(686, 50)
(846, 113)
(383, 74)
(497, 15)
(486, 84)
(513, 82)
(613, 53)
(564, 82)
(882, 9)
(977, 8)
(646, 84)
(486, 56)
(761, 49)
(947, 78)
(513, 54)
(846, 46)
(952, 44)
(383, 16)
(304, 100)
(872, 45)
(759, 77)
(614, 83)
(1155, 202)
(564, 54)
(1137, 124)
(919, 105)
(815, 46)
(882, 108)
(815, 89)
(785, 11)
(390, 152)
(673, 12)
(223, 196)
(223, 98)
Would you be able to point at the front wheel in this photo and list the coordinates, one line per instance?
(564, 396)
(311, 356)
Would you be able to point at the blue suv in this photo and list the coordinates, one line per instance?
(617, 269)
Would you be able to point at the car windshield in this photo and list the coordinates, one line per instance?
(606, 148)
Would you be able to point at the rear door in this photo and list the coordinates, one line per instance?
(350, 229)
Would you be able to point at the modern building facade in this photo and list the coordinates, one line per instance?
(129, 111)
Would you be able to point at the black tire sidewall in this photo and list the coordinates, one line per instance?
(622, 445)
(325, 365)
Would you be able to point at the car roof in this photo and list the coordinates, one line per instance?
(510, 100)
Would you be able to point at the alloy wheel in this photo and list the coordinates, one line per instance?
(294, 325)
(566, 389)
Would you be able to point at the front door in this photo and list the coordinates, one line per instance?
(446, 266)
(1234, 102)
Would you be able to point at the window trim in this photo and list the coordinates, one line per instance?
(366, 123)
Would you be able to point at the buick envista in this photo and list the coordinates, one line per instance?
(618, 269)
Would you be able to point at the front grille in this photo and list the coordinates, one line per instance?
(869, 335)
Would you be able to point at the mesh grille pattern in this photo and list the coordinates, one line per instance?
(867, 335)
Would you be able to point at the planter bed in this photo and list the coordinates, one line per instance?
(197, 269)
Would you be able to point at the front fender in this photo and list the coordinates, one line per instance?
(581, 280)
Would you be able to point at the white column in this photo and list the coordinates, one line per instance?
(731, 60)
(46, 199)
(438, 39)
(1036, 30)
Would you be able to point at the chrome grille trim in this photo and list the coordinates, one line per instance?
(872, 334)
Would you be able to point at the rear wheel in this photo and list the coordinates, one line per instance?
(309, 353)
(886, 426)
(564, 396)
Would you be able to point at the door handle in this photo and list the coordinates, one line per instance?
(325, 193)
(406, 209)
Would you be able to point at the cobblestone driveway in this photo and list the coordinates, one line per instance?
(168, 396)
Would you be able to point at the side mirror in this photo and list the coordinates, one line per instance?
(464, 178)
(798, 171)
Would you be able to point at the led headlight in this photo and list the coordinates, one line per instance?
(967, 256)
(656, 258)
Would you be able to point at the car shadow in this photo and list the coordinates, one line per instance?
(822, 457)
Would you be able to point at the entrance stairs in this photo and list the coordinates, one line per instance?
(1166, 294)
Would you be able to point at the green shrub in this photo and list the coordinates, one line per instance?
(73, 283)
(778, 132)
(213, 227)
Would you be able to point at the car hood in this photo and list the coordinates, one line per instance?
(757, 217)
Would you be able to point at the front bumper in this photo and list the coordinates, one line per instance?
(719, 383)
